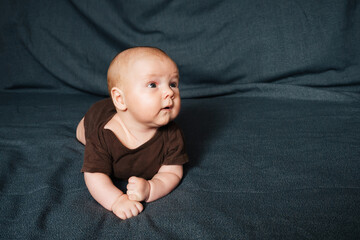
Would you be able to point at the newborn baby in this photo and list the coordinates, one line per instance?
(131, 135)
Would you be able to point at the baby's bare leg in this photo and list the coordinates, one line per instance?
(80, 132)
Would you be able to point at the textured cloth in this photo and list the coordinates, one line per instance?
(270, 115)
(260, 168)
(220, 47)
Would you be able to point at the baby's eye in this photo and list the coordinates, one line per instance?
(152, 85)
(173, 85)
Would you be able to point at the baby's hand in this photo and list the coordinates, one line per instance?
(138, 189)
(125, 208)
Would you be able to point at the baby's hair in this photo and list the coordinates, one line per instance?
(114, 77)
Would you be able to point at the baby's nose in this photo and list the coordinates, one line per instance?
(168, 93)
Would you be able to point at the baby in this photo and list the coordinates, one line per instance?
(131, 135)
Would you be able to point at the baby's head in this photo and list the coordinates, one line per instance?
(143, 84)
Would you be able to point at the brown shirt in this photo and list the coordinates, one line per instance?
(106, 154)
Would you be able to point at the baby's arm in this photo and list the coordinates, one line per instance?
(110, 197)
(167, 178)
(80, 132)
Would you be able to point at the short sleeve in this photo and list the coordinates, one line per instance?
(99, 113)
(175, 154)
(96, 157)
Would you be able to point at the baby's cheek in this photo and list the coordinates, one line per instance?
(176, 111)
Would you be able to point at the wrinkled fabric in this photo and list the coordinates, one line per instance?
(270, 114)
(260, 168)
(218, 45)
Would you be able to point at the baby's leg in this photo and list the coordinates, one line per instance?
(80, 132)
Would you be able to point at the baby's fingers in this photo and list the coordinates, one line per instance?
(129, 213)
(132, 183)
(130, 186)
(133, 196)
(132, 179)
(139, 206)
(135, 211)
(120, 214)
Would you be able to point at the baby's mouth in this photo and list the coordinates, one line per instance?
(169, 107)
(166, 108)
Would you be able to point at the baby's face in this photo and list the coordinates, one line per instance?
(151, 91)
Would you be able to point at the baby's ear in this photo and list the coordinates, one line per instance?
(118, 98)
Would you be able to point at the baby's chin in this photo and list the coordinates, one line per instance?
(163, 122)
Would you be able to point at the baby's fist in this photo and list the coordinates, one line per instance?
(125, 208)
(138, 189)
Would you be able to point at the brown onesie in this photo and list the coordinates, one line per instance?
(106, 154)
